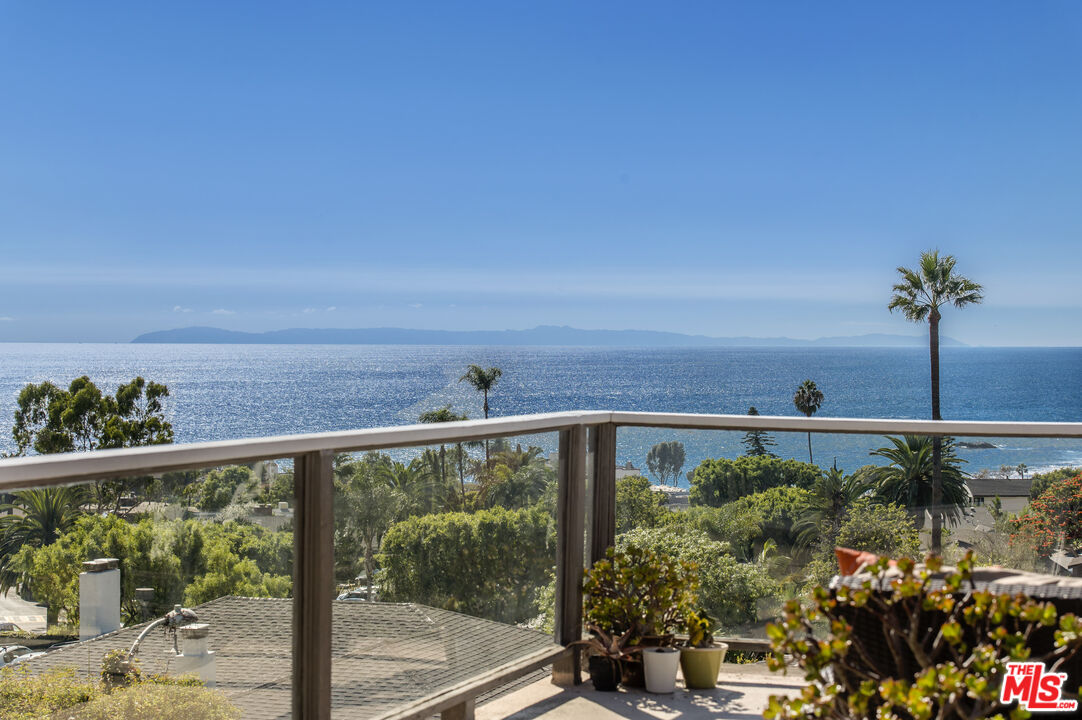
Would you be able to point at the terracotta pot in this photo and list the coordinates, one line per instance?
(701, 665)
(604, 672)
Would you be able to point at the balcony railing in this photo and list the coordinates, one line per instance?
(585, 514)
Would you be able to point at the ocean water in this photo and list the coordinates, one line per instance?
(232, 391)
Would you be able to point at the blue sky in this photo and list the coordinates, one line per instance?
(718, 167)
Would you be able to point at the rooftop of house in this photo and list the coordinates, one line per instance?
(386, 655)
(991, 487)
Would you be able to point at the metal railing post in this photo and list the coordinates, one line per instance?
(602, 526)
(570, 532)
(313, 584)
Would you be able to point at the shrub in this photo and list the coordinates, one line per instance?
(730, 591)
(637, 505)
(491, 563)
(953, 668)
(1054, 519)
(63, 694)
(751, 520)
(716, 482)
(1043, 481)
(882, 529)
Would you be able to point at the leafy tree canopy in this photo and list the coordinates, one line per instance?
(665, 461)
(716, 482)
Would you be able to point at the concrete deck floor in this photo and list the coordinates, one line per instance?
(742, 693)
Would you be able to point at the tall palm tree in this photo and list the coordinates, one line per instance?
(483, 381)
(831, 495)
(909, 479)
(442, 415)
(919, 296)
(808, 399)
(37, 518)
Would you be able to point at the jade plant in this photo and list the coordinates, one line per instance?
(929, 644)
(639, 592)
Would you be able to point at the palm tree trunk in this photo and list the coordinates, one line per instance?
(937, 442)
(461, 476)
(487, 462)
(810, 459)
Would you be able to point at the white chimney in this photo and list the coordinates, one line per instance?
(99, 598)
(196, 659)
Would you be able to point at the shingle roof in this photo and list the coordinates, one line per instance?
(1004, 488)
(385, 654)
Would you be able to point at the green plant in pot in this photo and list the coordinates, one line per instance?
(643, 594)
(700, 656)
(607, 653)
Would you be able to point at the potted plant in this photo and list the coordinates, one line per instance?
(700, 656)
(643, 594)
(606, 655)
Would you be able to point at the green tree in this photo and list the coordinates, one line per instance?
(224, 486)
(483, 381)
(908, 479)
(808, 399)
(665, 460)
(491, 563)
(637, 505)
(829, 500)
(718, 481)
(884, 529)
(35, 518)
(919, 296)
(49, 419)
(442, 415)
(516, 488)
(756, 442)
(1043, 481)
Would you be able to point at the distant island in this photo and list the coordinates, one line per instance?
(540, 335)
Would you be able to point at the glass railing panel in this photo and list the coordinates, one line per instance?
(445, 562)
(168, 593)
(762, 521)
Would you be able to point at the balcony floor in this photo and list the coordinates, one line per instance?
(742, 693)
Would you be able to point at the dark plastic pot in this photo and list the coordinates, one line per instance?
(604, 672)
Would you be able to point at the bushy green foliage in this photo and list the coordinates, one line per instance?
(728, 590)
(216, 559)
(1054, 520)
(221, 486)
(639, 591)
(953, 668)
(751, 520)
(1043, 481)
(62, 694)
(490, 563)
(881, 529)
(716, 482)
(637, 506)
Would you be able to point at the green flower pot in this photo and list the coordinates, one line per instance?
(701, 665)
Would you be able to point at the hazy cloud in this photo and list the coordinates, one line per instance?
(221, 311)
(178, 308)
(332, 308)
(6, 318)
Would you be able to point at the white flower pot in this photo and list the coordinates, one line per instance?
(659, 666)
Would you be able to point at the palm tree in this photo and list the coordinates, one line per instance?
(414, 481)
(482, 381)
(831, 495)
(919, 296)
(808, 399)
(442, 415)
(909, 479)
(37, 518)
